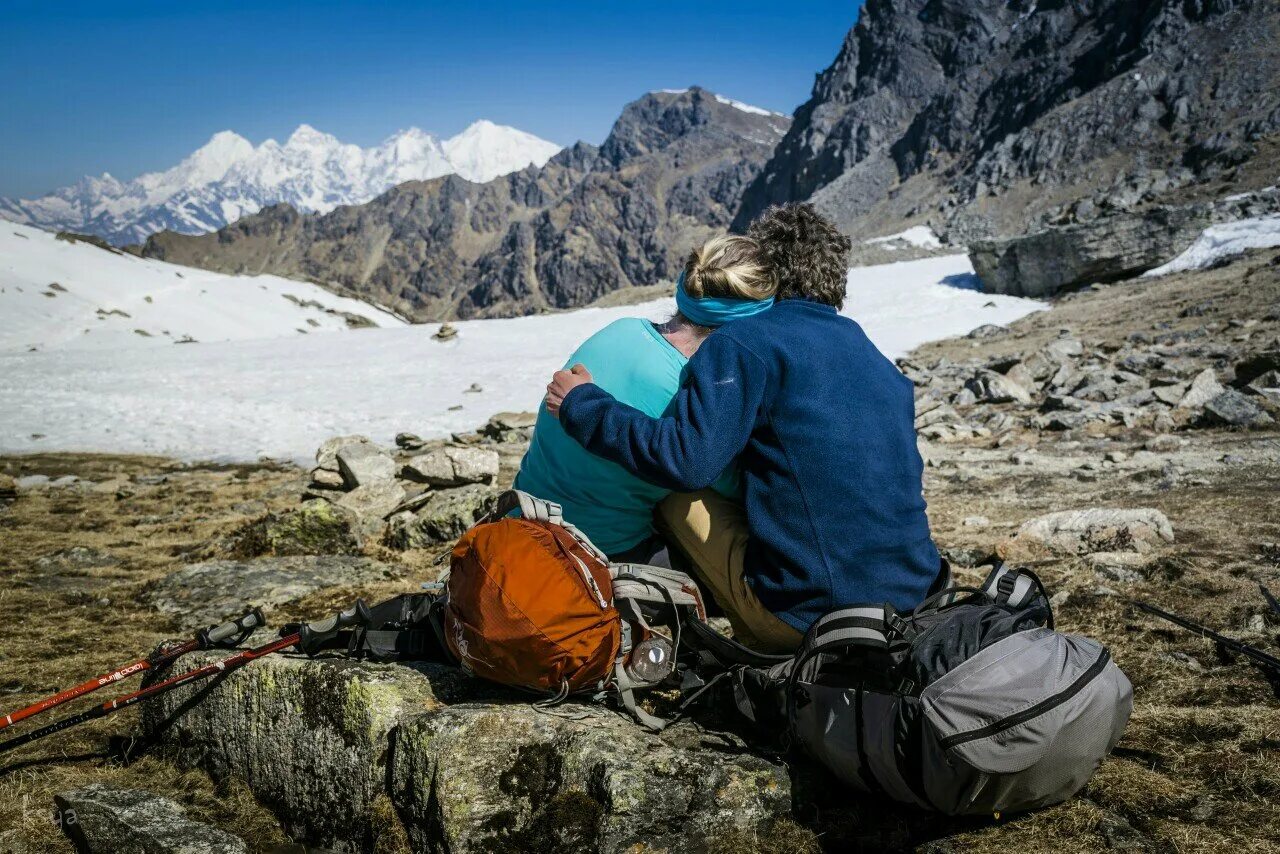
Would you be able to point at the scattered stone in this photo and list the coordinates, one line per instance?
(1163, 423)
(1181, 659)
(76, 558)
(990, 387)
(474, 388)
(964, 397)
(1023, 458)
(102, 819)
(327, 479)
(453, 466)
(1266, 385)
(1256, 365)
(511, 426)
(365, 464)
(444, 517)
(1235, 409)
(1171, 394)
(1098, 530)
(975, 522)
(204, 594)
(327, 453)
(1122, 567)
(446, 332)
(1116, 456)
(1060, 599)
(1062, 349)
(1162, 443)
(1204, 388)
(410, 442)
(988, 330)
(937, 415)
(371, 504)
(1257, 623)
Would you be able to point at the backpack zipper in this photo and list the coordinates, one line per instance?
(1032, 711)
(587, 578)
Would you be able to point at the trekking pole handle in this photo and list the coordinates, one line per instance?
(312, 635)
(238, 629)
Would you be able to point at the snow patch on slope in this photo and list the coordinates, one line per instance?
(282, 397)
(228, 178)
(57, 295)
(1223, 241)
(919, 235)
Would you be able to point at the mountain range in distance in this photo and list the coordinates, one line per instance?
(228, 178)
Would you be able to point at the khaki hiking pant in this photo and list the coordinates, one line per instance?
(712, 531)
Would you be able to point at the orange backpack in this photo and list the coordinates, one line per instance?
(531, 603)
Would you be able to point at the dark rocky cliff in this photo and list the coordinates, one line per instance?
(986, 117)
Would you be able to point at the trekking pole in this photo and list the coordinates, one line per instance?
(1267, 663)
(312, 633)
(229, 633)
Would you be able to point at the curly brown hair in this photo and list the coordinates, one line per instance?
(809, 254)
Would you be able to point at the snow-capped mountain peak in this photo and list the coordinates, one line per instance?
(228, 178)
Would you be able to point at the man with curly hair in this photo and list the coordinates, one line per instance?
(821, 426)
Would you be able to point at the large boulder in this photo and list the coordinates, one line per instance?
(1204, 388)
(991, 387)
(327, 453)
(1097, 529)
(309, 738)
(364, 465)
(1234, 409)
(315, 528)
(443, 516)
(1108, 249)
(203, 594)
(102, 819)
(348, 753)
(369, 505)
(478, 778)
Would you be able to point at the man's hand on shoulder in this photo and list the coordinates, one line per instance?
(562, 383)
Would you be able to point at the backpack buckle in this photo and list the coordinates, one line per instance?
(896, 625)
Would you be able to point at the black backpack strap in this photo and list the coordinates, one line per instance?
(1016, 588)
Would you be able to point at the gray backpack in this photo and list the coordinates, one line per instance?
(967, 706)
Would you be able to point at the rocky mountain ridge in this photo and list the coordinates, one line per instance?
(228, 177)
(990, 117)
(589, 222)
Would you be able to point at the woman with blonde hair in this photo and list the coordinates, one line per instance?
(642, 364)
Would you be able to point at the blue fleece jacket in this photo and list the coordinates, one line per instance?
(821, 424)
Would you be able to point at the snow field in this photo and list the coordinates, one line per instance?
(281, 397)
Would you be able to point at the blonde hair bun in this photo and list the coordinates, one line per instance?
(729, 266)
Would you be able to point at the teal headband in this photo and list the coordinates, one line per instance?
(716, 311)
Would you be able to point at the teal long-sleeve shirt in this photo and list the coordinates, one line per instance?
(613, 507)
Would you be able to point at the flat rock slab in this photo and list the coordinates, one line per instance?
(1098, 530)
(330, 744)
(204, 594)
(102, 819)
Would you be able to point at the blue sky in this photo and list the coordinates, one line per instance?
(88, 87)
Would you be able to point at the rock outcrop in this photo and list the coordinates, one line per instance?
(589, 222)
(465, 767)
(985, 118)
(101, 819)
(204, 594)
